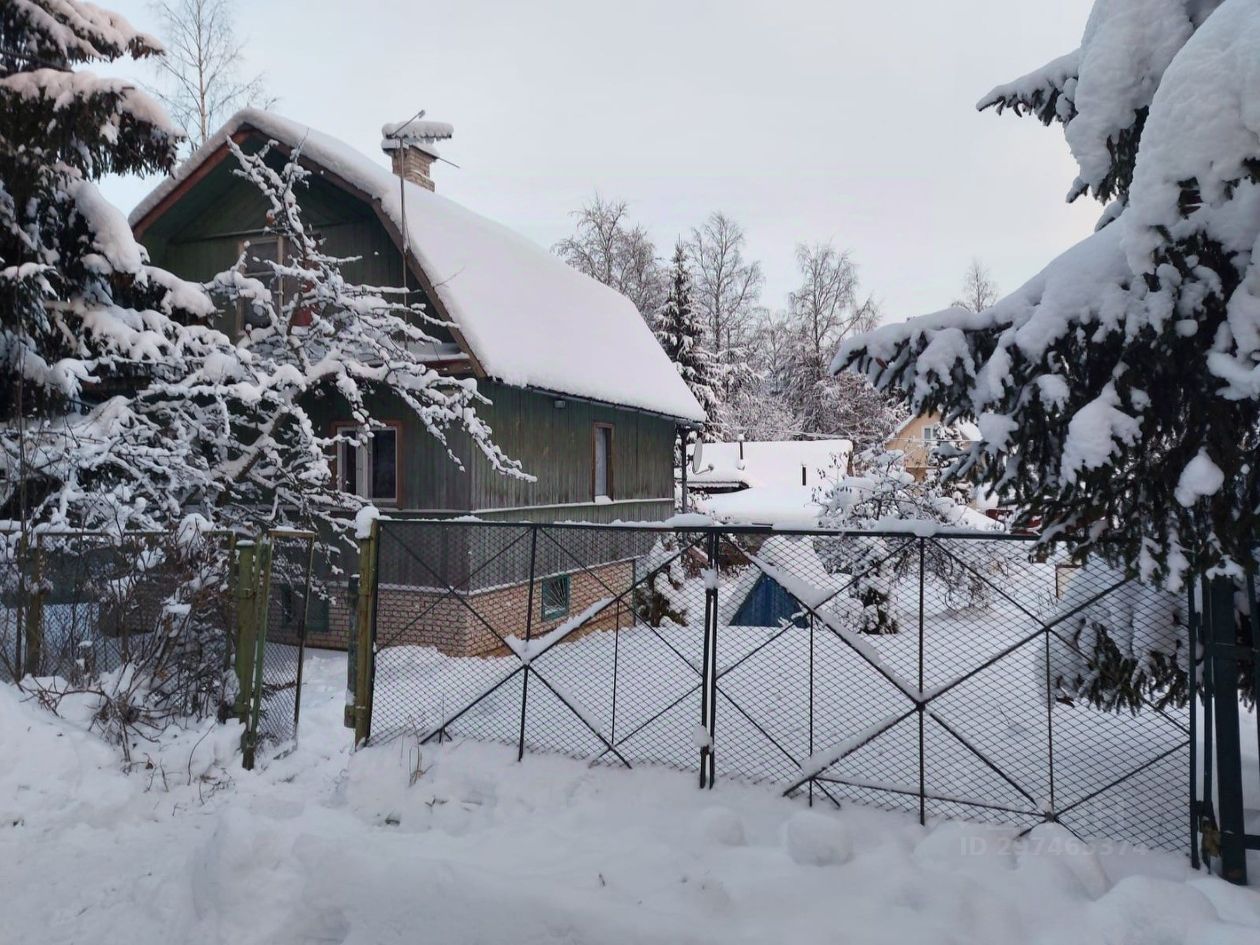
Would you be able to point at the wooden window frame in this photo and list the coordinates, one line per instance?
(612, 452)
(242, 247)
(397, 427)
(556, 612)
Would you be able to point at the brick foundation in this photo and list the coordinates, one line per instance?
(467, 626)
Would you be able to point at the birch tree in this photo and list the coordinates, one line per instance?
(202, 77)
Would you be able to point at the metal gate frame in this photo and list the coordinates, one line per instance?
(260, 680)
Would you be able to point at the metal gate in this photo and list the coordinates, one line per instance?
(937, 675)
(272, 597)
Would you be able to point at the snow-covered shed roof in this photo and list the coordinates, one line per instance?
(782, 506)
(770, 463)
(529, 319)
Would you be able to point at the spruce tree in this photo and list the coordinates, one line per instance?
(681, 333)
(1116, 392)
(86, 321)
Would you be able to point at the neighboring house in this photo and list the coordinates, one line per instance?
(770, 482)
(918, 437)
(581, 393)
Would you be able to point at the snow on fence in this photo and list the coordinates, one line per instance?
(943, 675)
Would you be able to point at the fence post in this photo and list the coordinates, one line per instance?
(1222, 633)
(711, 673)
(35, 612)
(811, 701)
(920, 703)
(260, 606)
(301, 656)
(365, 615)
(1192, 684)
(244, 628)
(529, 632)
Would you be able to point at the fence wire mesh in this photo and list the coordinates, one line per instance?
(943, 676)
(78, 605)
(288, 601)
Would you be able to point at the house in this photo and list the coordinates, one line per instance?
(917, 438)
(580, 392)
(763, 483)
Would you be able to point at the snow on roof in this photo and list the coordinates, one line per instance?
(780, 506)
(416, 133)
(770, 463)
(530, 319)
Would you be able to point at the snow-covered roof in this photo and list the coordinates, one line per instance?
(770, 463)
(783, 506)
(529, 319)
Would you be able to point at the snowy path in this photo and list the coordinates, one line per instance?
(323, 847)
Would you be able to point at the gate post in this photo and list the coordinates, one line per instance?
(529, 633)
(708, 677)
(1223, 650)
(35, 614)
(244, 628)
(365, 658)
(261, 593)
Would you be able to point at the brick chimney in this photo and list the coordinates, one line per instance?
(412, 147)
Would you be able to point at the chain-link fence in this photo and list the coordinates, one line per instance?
(80, 605)
(942, 675)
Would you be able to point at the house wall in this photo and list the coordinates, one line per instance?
(557, 445)
(909, 440)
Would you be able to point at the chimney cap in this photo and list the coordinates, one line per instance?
(415, 133)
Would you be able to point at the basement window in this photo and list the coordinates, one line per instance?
(370, 470)
(554, 592)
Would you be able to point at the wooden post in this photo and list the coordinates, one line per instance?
(244, 627)
(35, 613)
(261, 599)
(365, 659)
(1224, 652)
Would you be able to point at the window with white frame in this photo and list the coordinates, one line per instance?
(371, 469)
(601, 474)
(931, 434)
(259, 252)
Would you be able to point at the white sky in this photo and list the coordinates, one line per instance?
(848, 120)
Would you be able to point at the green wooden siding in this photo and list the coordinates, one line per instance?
(556, 444)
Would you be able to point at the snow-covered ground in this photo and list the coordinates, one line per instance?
(462, 844)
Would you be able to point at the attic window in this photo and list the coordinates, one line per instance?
(259, 252)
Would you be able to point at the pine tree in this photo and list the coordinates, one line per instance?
(682, 335)
(86, 321)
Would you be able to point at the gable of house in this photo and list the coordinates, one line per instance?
(524, 317)
(197, 227)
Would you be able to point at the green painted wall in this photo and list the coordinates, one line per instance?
(556, 444)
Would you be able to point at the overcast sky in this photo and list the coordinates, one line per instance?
(843, 120)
